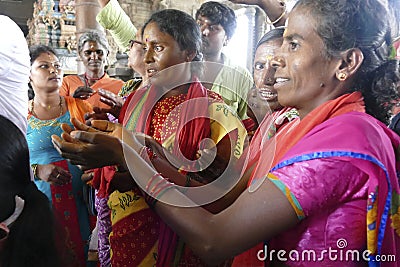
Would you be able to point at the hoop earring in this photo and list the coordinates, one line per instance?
(342, 76)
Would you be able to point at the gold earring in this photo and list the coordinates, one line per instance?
(342, 76)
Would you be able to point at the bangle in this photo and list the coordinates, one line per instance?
(151, 180)
(34, 171)
(157, 190)
(280, 17)
(149, 153)
(182, 170)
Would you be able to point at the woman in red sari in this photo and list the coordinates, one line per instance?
(178, 112)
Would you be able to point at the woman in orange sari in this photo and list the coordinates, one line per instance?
(93, 51)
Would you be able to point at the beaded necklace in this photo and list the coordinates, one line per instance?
(87, 78)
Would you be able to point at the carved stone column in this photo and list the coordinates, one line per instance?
(85, 19)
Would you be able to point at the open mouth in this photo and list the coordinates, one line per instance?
(267, 94)
(151, 72)
(280, 82)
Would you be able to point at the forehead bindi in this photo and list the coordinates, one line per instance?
(92, 46)
(153, 35)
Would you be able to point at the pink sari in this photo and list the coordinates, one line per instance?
(338, 135)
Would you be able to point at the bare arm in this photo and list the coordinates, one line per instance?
(251, 219)
(272, 8)
(113, 18)
(103, 3)
(254, 217)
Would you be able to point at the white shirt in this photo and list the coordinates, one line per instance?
(14, 73)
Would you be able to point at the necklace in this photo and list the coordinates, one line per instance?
(32, 111)
(87, 79)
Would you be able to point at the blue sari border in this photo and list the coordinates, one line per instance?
(356, 155)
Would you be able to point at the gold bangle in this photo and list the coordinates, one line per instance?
(283, 3)
(34, 171)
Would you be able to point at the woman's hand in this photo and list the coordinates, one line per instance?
(151, 143)
(53, 174)
(91, 147)
(97, 114)
(111, 99)
(83, 92)
(114, 101)
(87, 176)
(274, 9)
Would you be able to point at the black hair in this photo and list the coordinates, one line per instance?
(346, 24)
(385, 88)
(36, 50)
(272, 34)
(219, 13)
(395, 124)
(182, 27)
(31, 240)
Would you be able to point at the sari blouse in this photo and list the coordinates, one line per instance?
(67, 200)
(139, 237)
(345, 190)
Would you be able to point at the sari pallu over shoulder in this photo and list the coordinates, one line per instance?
(340, 127)
(200, 108)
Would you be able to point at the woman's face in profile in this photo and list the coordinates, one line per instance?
(46, 73)
(305, 77)
(135, 54)
(163, 57)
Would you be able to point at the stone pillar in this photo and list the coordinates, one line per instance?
(85, 19)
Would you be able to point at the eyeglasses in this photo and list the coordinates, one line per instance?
(132, 42)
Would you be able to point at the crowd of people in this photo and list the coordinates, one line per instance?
(198, 162)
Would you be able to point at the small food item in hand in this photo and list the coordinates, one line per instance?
(83, 92)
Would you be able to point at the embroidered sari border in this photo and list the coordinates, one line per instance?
(356, 155)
